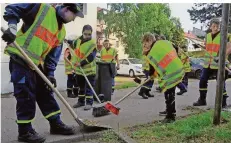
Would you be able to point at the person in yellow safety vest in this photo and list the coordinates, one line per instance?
(72, 86)
(164, 60)
(110, 55)
(187, 68)
(210, 64)
(85, 54)
(41, 37)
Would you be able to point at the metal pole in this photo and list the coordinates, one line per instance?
(221, 70)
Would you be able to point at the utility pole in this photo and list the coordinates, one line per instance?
(221, 70)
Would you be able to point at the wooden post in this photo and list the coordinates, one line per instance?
(221, 70)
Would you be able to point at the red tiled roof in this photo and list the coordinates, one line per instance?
(192, 36)
(98, 8)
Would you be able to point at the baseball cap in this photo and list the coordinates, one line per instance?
(75, 8)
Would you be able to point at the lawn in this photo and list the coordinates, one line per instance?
(196, 128)
(124, 82)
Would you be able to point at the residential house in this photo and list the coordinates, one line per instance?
(192, 40)
(116, 43)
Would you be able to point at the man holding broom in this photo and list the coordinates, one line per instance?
(85, 54)
(41, 37)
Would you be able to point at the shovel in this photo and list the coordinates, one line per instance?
(84, 124)
(115, 110)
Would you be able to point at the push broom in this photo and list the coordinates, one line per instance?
(112, 107)
(98, 110)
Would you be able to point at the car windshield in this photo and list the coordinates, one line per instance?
(196, 60)
(135, 61)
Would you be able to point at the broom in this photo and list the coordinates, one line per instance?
(115, 110)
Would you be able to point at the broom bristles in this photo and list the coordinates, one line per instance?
(112, 108)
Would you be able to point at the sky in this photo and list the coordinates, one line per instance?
(180, 10)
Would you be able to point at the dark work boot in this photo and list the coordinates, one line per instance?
(78, 104)
(60, 128)
(148, 93)
(87, 107)
(69, 93)
(142, 93)
(169, 118)
(163, 113)
(181, 92)
(158, 89)
(31, 137)
(201, 101)
(76, 92)
(224, 103)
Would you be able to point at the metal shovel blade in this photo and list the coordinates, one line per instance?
(90, 126)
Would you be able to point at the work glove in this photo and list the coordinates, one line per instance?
(216, 59)
(74, 76)
(10, 34)
(118, 67)
(53, 81)
(137, 80)
(65, 41)
(152, 77)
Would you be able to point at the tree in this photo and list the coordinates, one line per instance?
(204, 12)
(178, 33)
(130, 21)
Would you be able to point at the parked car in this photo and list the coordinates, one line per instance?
(196, 66)
(131, 67)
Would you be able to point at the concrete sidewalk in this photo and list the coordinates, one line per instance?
(134, 110)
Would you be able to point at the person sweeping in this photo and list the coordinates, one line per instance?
(164, 60)
(85, 54)
(41, 37)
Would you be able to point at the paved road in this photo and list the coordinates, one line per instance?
(134, 111)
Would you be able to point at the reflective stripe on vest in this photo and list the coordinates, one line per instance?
(81, 53)
(168, 58)
(156, 64)
(41, 37)
(167, 64)
(212, 48)
(108, 55)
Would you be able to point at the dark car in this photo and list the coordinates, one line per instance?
(196, 66)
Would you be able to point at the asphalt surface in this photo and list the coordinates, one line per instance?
(134, 110)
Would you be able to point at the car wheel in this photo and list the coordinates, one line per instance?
(198, 74)
(131, 73)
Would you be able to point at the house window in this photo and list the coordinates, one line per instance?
(83, 8)
(117, 44)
